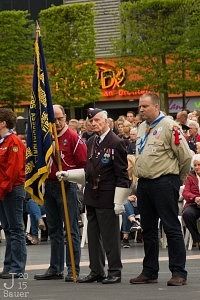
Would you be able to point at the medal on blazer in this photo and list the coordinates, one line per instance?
(96, 183)
(106, 157)
(97, 154)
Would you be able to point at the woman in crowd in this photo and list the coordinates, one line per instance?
(191, 194)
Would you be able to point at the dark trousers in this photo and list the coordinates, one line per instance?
(55, 219)
(104, 234)
(190, 217)
(158, 198)
(11, 217)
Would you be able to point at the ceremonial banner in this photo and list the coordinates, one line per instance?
(39, 131)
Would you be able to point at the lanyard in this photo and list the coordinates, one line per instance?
(143, 140)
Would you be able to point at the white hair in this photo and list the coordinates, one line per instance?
(134, 130)
(194, 124)
(103, 114)
(190, 116)
(196, 157)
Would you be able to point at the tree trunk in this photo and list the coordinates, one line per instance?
(183, 78)
(72, 113)
(164, 103)
(184, 102)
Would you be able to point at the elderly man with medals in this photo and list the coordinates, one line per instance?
(106, 188)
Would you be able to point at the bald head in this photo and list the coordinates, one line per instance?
(60, 117)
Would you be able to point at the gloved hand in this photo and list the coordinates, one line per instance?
(119, 209)
(74, 175)
(121, 195)
(62, 175)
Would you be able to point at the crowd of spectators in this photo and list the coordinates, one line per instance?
(126, 128)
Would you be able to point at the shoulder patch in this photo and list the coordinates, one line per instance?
(15, 149)
(176, 133)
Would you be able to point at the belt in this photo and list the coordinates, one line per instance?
(160, 177)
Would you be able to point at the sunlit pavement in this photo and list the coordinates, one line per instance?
(38, 259)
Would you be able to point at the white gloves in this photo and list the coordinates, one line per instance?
(119, 209)
(121, 195)
(75, 175)
(62, 175)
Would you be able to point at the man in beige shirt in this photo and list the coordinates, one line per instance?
(162, 162)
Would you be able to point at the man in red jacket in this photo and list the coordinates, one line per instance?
(12, 194)
(73, 156)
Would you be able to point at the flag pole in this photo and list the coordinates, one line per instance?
(64, 196)
(66, 211)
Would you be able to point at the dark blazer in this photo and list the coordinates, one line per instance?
(106, 169)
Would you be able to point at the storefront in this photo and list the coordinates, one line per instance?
(117, 100)
(192, 103)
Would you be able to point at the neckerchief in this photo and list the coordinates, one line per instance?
(143, 139)
(5, 135)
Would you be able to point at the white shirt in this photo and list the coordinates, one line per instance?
(103, 135)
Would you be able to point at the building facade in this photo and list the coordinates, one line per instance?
(33, 6)
(114, 98)
(107, 29)
(107, 22)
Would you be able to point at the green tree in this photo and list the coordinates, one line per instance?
(15, 53)
(157, 39)
(69, 44)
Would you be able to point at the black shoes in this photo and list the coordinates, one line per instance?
(135, 225)
(4, 275)
(91, 278)
(99, 278)
(125, 243)
(69, 278)
(48, 275)
(111, 280)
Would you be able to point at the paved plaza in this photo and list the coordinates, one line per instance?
(38, 258)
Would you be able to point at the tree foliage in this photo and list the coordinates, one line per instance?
(160, 40)
(15, 51)
(69, 44)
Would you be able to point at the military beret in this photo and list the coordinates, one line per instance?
(91, 112)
